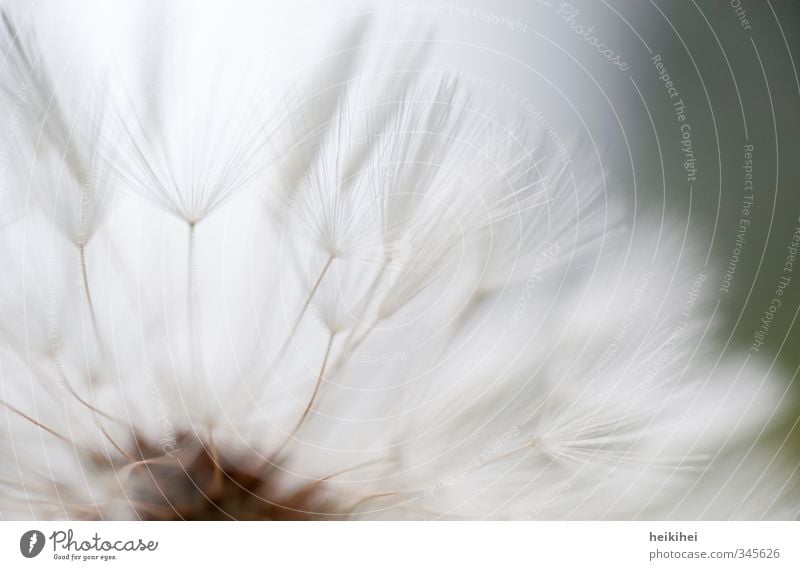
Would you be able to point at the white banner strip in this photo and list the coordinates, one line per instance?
(389, 545)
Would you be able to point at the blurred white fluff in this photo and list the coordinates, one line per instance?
(388, 295)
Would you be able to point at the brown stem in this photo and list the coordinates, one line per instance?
(85, 275)
(364, 305)
(309, 298)
(310, 405)
(317, 386)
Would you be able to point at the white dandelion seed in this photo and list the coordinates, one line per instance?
(58, 165)
(435, 319)
(198, 137)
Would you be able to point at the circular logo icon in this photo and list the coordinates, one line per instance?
(31, 543)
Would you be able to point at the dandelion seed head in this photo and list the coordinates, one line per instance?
(435, 316)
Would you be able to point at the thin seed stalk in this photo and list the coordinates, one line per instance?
(86, 288)
(276, 457)
(306, 304)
